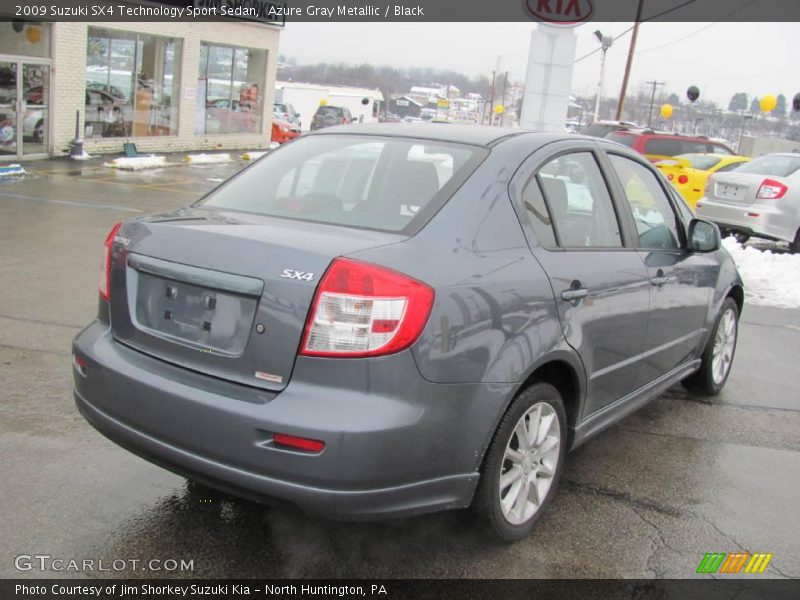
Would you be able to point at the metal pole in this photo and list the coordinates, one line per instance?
(503, 102)
(491, 102)
(655, 84)
(629, 63)
(600, 85)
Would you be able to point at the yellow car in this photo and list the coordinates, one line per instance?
(688, 173)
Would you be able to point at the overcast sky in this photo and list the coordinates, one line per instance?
(721, 59)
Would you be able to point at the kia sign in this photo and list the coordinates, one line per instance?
(560, 12)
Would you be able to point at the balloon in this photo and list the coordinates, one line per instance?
(666, 110)
(768, 103)
(499, 109)
(693, 93)
(33, 34)
(796, 102)
(323, 102)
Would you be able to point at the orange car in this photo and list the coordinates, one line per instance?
(283, 131)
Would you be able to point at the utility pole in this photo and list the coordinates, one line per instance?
(629, 63)
(605, 42)
(503, 103)
(655, 84)
(491, 101)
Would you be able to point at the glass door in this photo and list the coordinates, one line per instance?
(9, 96)
(24, 109)
(34, 108)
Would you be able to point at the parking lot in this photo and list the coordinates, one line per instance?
(646, 498)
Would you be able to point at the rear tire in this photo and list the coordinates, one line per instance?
(794, 247)
(523, 464)
(717, 357)
(741, 237)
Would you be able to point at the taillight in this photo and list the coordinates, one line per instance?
(682, 179)
(362, 309)
(771, 190)
(105, 265)
(670, 176)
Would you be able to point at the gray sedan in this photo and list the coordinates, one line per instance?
(384, 320)
(760, 198)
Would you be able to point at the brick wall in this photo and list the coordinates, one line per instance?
(68, 84)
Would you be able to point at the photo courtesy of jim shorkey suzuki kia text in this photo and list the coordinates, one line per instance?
(178, 590)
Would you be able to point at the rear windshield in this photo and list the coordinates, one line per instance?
(703, 162)
(365, 182)
(777, 165)
(329, 110)
(623, 138)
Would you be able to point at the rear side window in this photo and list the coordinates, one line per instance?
(388, 184)
(730, 167)
(774, 164)
(622, 138)
(576, 201)
(667, 147)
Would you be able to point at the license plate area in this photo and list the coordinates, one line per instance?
(727, 191)
(205, 318)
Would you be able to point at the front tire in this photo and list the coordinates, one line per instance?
(524, 463)
(717, 357)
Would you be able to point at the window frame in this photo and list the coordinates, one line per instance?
(530, 167)
(680, 225)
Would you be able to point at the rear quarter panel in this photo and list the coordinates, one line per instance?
(494, 318)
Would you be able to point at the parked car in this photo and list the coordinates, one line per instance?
(328, 116)
(603, 128)
(286, 112)
(760, 198)
(657, 145)
(390, 118)
(283, 131)
(112, 90)
(343, 327)
(690, 172)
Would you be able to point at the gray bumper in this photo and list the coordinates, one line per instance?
(757, 219)
(395, 443)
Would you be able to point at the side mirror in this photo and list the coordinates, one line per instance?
(703, 236)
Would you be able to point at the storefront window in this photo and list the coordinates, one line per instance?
(230, 89)
(21, 38)
(132, 84)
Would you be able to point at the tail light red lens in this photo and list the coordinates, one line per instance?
(298, 443)
(670, 176)
(771, 190)
(361, 310)
(682, 179)
(105, 265)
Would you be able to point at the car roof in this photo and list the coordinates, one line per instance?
(476, 135)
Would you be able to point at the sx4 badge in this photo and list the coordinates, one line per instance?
(292, 274)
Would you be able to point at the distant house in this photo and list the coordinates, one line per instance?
(403, 106)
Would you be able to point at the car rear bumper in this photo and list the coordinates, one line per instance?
(757, 219)
(416, 451)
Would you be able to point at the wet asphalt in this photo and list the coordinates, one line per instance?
(646, 498)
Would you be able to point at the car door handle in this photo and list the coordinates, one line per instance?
(661, 279)
(574, 294)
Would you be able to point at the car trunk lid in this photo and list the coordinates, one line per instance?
(735, 188)
(223, 293)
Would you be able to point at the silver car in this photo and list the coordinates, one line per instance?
(760, 198)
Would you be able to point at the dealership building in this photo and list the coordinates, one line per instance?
(166, 86)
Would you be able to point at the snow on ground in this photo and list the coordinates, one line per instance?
(137, 163)
(207, 159)
(770, 278)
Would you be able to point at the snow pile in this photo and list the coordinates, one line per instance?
(253, 155)
(207, 159)
(770, 279)
(84, 156)
(137, 163)
(9, 170)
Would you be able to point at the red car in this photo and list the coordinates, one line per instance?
(658, 146)
(283, 131)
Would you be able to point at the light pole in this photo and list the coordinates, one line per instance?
(605, 43)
